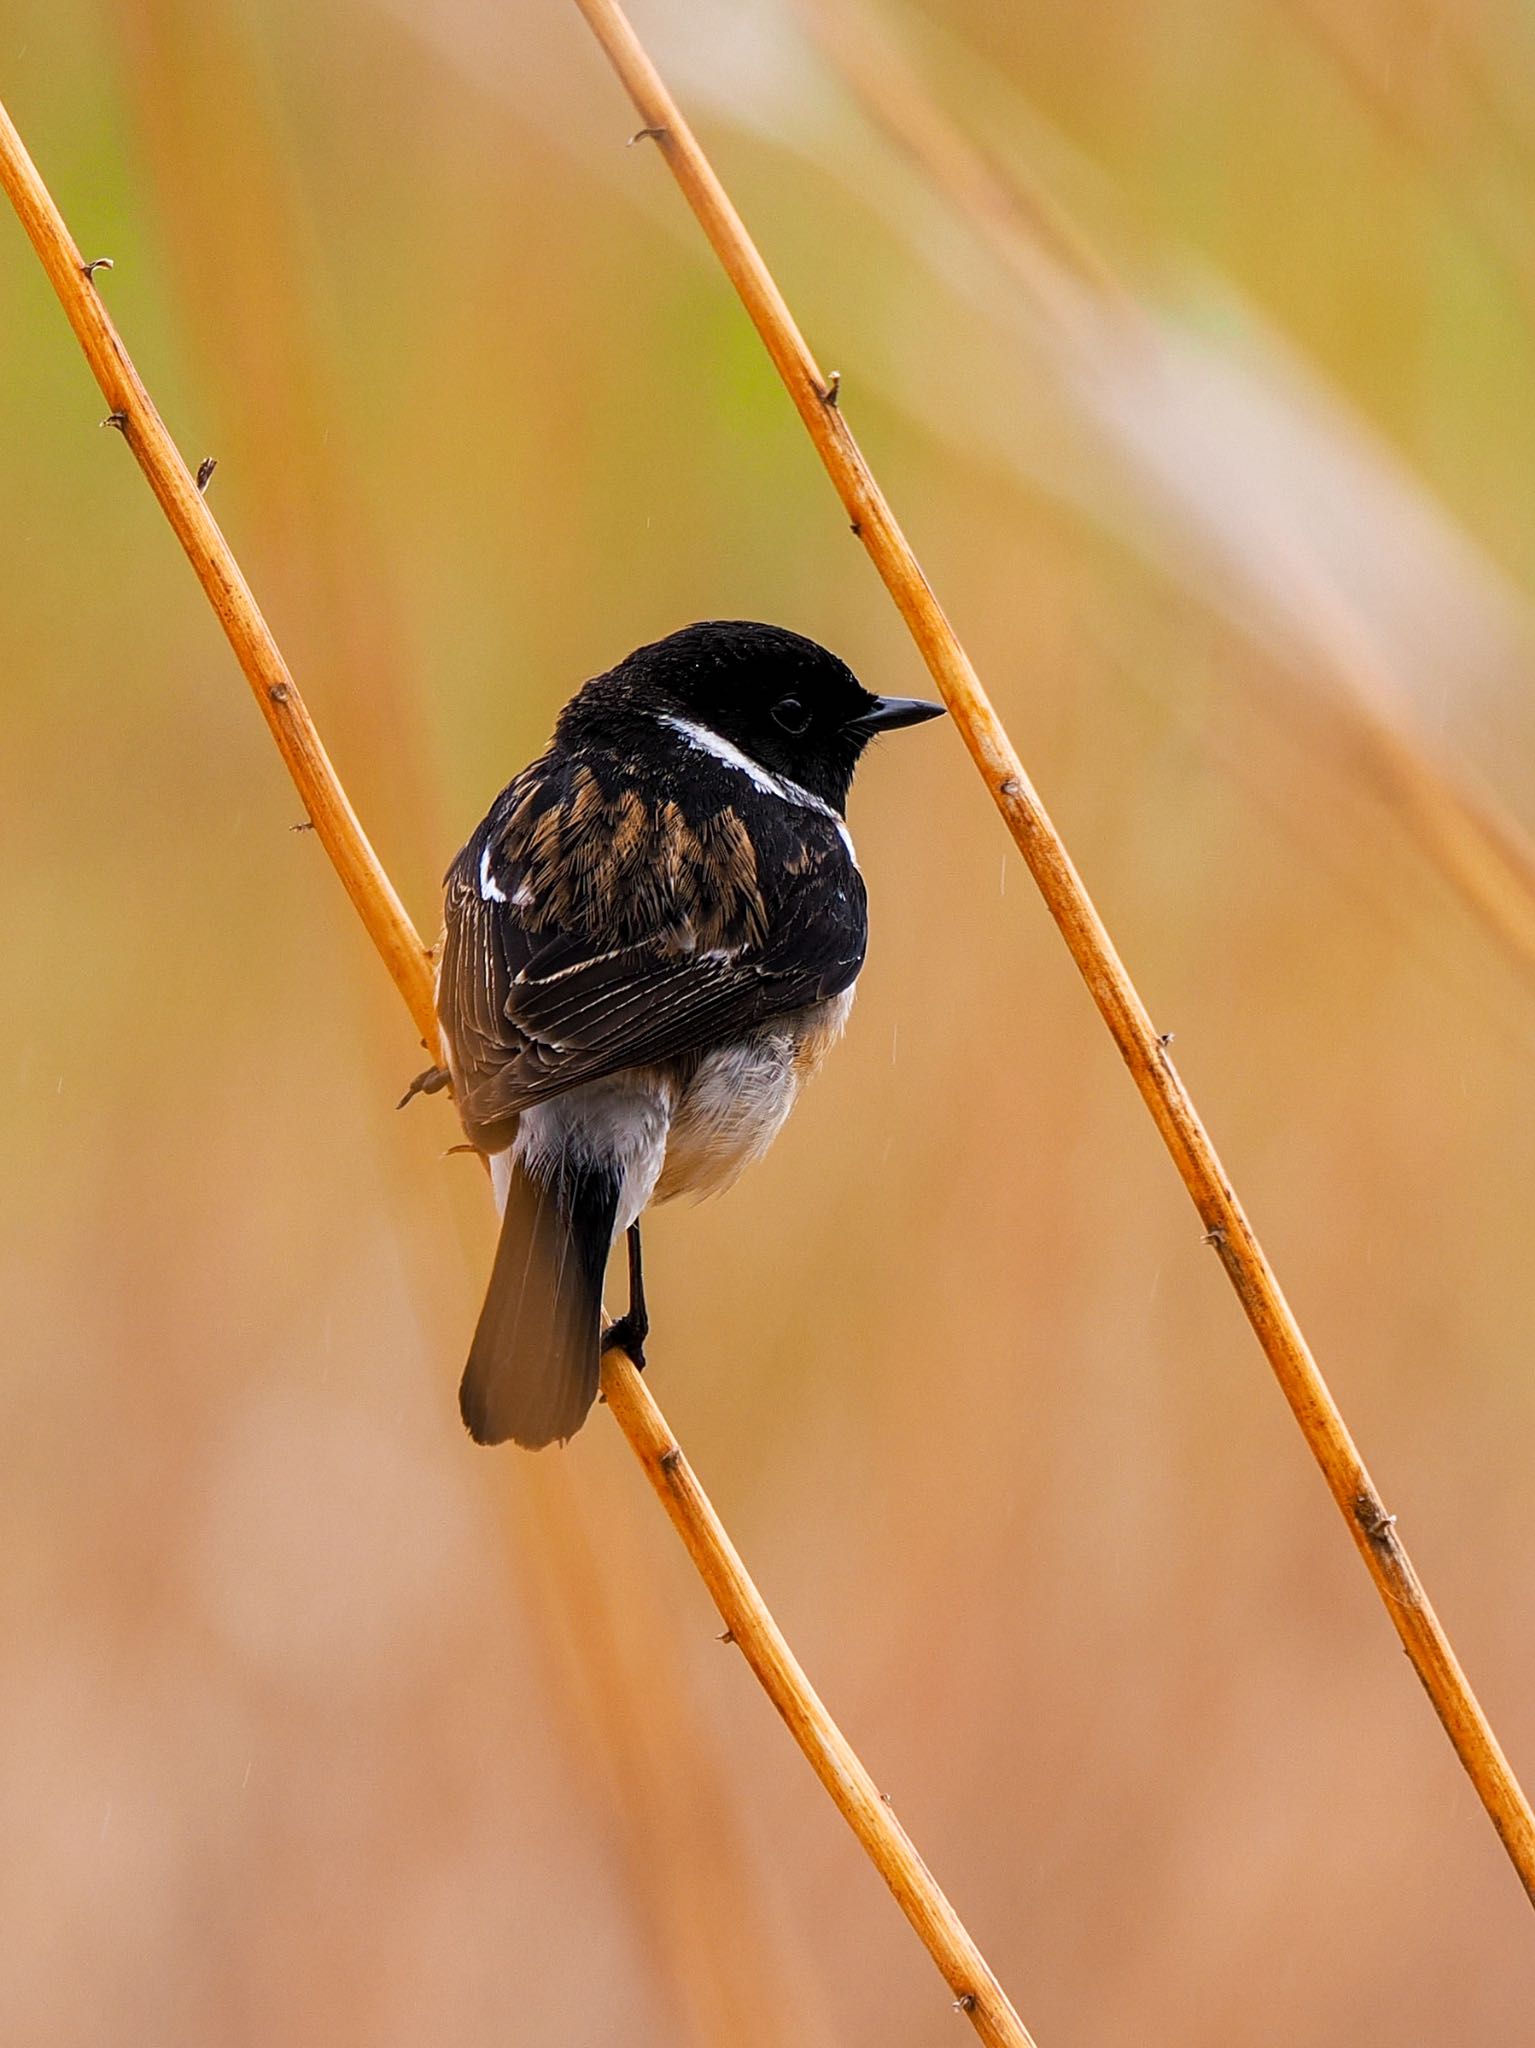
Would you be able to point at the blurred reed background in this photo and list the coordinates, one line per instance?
(1195, 347)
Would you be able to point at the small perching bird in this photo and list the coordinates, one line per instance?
(651, 944)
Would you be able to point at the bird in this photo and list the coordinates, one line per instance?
(650, 943)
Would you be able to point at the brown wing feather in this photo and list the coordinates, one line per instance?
(589, 929)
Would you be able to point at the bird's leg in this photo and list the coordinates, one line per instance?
(628, 1334)
(639, 1315)
(429, 1082)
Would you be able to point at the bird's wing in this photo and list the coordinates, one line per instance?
(589, 930)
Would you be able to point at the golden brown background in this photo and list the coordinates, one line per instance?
(317, 1726)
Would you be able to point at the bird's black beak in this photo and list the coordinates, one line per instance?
(886, 714)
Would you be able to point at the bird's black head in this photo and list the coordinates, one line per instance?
(791, 707)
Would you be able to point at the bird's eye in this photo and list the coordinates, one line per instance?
(791, 714)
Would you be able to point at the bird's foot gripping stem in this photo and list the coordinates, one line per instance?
(628, 1334)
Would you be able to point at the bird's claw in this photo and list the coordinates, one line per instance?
(429, 1082)
(628, 1336)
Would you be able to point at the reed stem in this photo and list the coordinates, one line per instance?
(410, 965)
(1145, 1052)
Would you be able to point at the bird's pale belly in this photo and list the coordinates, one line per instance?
(692, 1126)
(734, 1104)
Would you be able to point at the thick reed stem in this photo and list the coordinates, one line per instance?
(133, 413)
(740, 1604)
(831, 1756)
(1227, 1230)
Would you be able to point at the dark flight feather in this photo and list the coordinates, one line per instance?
(534, 1363)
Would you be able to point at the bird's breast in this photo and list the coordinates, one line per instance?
(735, 1100)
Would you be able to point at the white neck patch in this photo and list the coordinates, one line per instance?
(708, 742)
(489, 886)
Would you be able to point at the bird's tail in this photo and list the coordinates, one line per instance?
(534, 1363)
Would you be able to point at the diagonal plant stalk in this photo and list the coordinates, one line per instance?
(1468, 836)
(608, 1632)
(748, 1622)
(1146, 1054)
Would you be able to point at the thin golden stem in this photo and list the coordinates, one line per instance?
(409, 962)
(658, 1780)
(132, 412)
(1480, 850)
(1227, 1229)
(832, 1757)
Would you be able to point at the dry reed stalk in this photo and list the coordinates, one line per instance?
(1145, 1052)
(1482, 851)
(670, 1814)
(832, 1757)
(133, 413)
(260, 361)
(741, 1606)
(690, 1884)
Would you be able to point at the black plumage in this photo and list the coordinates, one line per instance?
(662, 905)
(626, 947)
